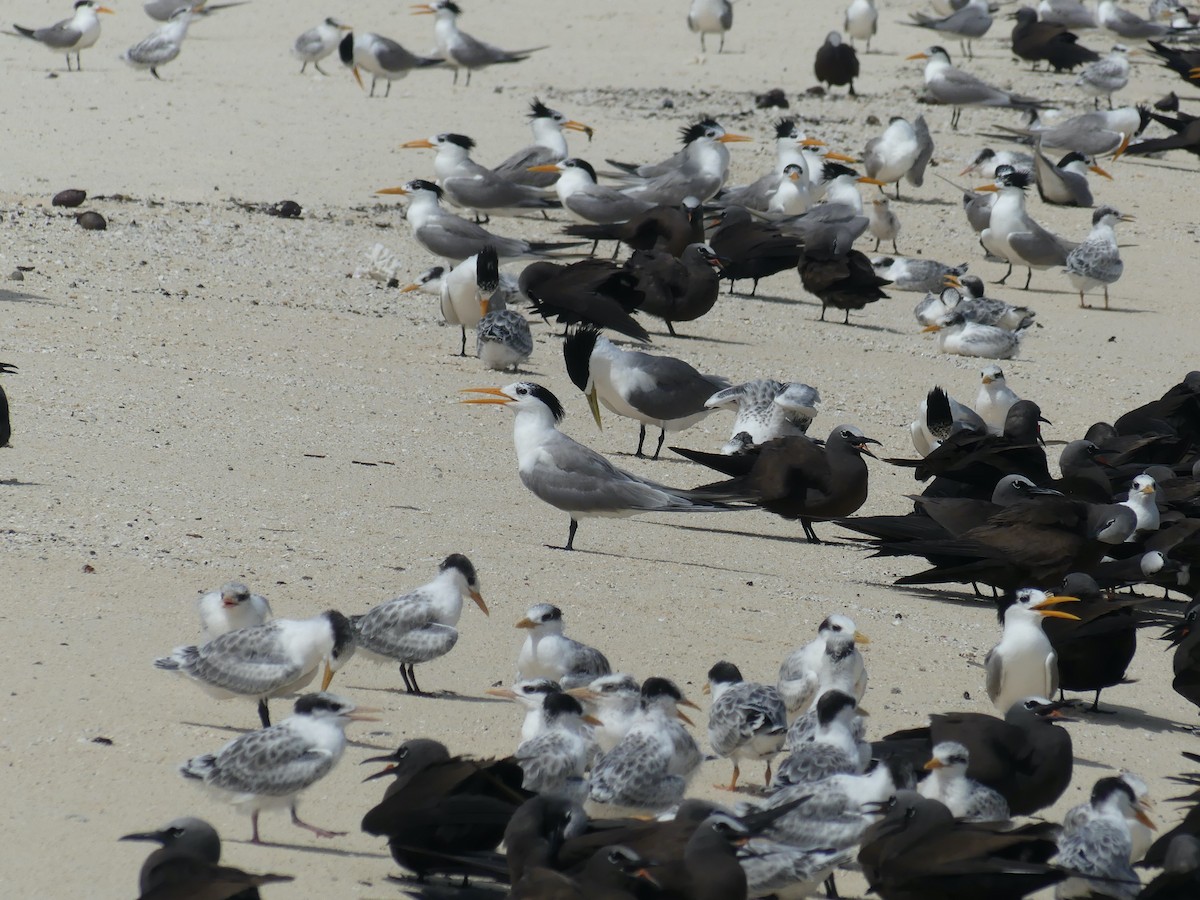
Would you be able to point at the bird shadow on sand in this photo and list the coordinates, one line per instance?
(309, 848)
(763, 298)
(1131, 718)
(16, 482)
(958, 598)
(708, 339)
(430, 695)
(924, 201)
(663, 562)
(1158, 164)
(7, 296)
(783, 538)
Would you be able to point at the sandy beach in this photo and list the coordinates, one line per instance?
(207, 393)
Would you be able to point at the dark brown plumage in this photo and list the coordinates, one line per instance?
(592, 291)
(677, 290)
(836, 63)
(1036, 42)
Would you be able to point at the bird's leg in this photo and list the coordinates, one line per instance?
(373, 80)
(388, 92)
(894, 250)
(853, 93)
(703, 49)
(305, 66)
(254, 838)
(877, 241)
(831, 891)
(721, 46)
(264, 714)
(317, 66)
(754, 289)
(154, 72)
(68, 62)
(571, 535)
(1082, 305)
(822, 310)
(641, 440)
(404, 675)
(662, 436)
(846, 321)
(1028, 278)
(412, 677)
(319, 832)
(616, 249)
(1096, 706)
(767, 777)
(1006, 274)
(456, 74)
(462, 350)
(730, 287)
(732, 782)
(808, 531)
(671, 329)
(468, 84)
(1106, 296)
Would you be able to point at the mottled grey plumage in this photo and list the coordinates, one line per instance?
(503, 339)
(555, 761)
(1097, 261)
(767, 409)
(1096, 841)
(746, 721)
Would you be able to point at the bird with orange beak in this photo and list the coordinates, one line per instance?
(1024, 663)
(68, 36)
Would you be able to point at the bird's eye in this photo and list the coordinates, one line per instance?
(175, 832)
(522, 391)
(1031, 704)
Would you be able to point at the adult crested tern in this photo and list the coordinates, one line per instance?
(555, 761)
(792, 147)
(189, 854)
(836, 63)
(1065, 183)
(746, 721)
(766, 409)
(72, 35)
(1049, 40)
(230, 608)
(381, 57)
(1127, 24)
(458, 290)
(268, 769)
(585, 199)
(571, 477)
(861, 21)
(890, 156)
(1097, 261)
(317, 43)
(654, 390)
(958, 335)
(419, 626)
(939, 416)
(1013, 235)
(1096, 840)
(698, 170)
(548, 653)
(452, 237)
(460, 49)
(882, 222)
(467, 184)
(160, 10)
(1024, 664)
(831, 661)
(1092, 134)
(954, 87)
(995, 398)
(1106, 76)
(966, 798)
(912, 274)
(967, 23)
(549, 146)
(164, 45)
(677, 290)
(710, 17)
(265, 661)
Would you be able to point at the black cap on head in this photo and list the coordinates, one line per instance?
(577, 353)
(487, 269)
(343, 632)
(660, 687)
(346, 49)
(460, 562)
(539, 110)
(420, 184)
(785, 127)
(725, 673)
(460, 140)
(832, 703)
(576, 163)
(699, 129)
(320, 701)
(558, 704)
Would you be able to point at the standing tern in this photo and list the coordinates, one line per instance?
(966, 798)
(995, 398)
(747, 720)
(1024, 664)
(548, 653)
(555, 761)
(467, 184)
(710, 17)
(419, 626)
(571, 477)
(946, 84)
(861, 21)
(836, 63)
(268, 769)
(986, 161)
(883, 223)
(265, 661)
(891, 155)
(164, 45)
(834, 748)
(549, 146)
(317, 43)
(452, 237)
(230, 608)
(460, 49)
(1097, 261)
(655, 390)
(458, 289)
(381, 57)
(766, 409)
(1013, 235)
(698, 170)
(1065, 183)
(792, 147)
(72, 35)
(585, 199)
(502, 337)
(1127, 24)
(967, 23)
(1106, 76)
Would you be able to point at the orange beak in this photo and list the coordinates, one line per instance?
(1099, 171)
(394, 190)
(495, 395)
(987, 188)
(358, 77)
(422, 9)
(548, 167)
(841, 157)
(735, 139)
(478, 598)
(811, 142)
(423, 143)
(934, 763)
(918, 56)
(526, 622)
(866, 180)
(1043, 608)
(579, 126)
(105, 9)
(1124, 146)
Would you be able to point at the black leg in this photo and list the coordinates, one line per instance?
(317, 66)
(641, 439)
(754, 289)
(671, 329)
(468, 84)
(412, 677)
(662, 436)
(822, 310)
(808, 531)
(388, 92)
(404, 675)
(373, 80)
(571, 535)
(1006, 274)
(846, 321)
(264, 714)
(1028, 278)
(876, 250)
(154, 72)
(462, 350)
(305, 66)
(831, 891)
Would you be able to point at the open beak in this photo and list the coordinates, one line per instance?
(934, 763)
(683, 718)
(506, 693)
(1125, 217)
(478, 598)
(868, 180)
(327, 677)
(735, 139)
(392, 191)
(594, 406)
(644, 875)
(918, 56)
(423, 143)
(548, 167)
(987, 188)
(1194, 72)
(861, 447)
(579, 126)
(358, 77)
(1099, 171)
(812, 142)
(105, 9)
(495, 395)
(952, 281)
(364, 714)
(526, 622)
(382, 773)
(1044, 608)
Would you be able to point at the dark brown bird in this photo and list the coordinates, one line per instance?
(592, 291)
(186, 866)
(1036, 41)
(5, 419)
(667, 228)
(1184, 636)
(91, 221)
(795, 477)
(1183, 62)
(750, 249)
(1186, 136)
(844, 281)
(836, 64)
(677, 289)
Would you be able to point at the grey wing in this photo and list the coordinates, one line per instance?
(1039, 247)
(474, 53)
(635, 773)
(506, 326)
(773, 868)
(986, 805)
(248, 661)
(154, 50)
(962, 88)
(310, 42)
(685, 752)
(516, 167)
(756, 195)
(394, 57)
(60, 35)
(274, 762)
(488, 190)
(994, 668)
(1100, 848)
(548, 760)
(813, 762)
(586, 662)
(669, 388)
(406, 629)
(916, 174)
(456, 238)
(605, 206)
(1096, 260)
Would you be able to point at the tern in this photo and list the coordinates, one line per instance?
(419, 626)
(747, 720)
(1065, 183)
(460, 49)
(967, 23)
(1024, 664)
(268, 769)
(1067, 13)
(79, 32)
(1096, 840)
(883, 223)
(614, 700)
(1013, 235)
(502, 336)
(861, 21)
(1097, 261)
(958, 335)
(792, 147)
(571, 477)
(890, 156)
(530, 694)
(230, 608)
(467, 184)
(381, 57)
(317, 43)
(1106, 76)
(160, 10)
(655, 390)
(966, 798)
(458, 289)
(766, 409)
(452, 237)
(547, 653)
(555, 760)
(698, 170)
(946, 84)
(986, 161)
(585, 199)
(995, 398)
(830, 661)
(549, 146)
(164, 45)
(1127, 24)
(710, 17)
(1092, 134)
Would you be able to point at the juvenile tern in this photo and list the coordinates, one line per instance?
(585, 199)
(317, 43)
(1144, 504)
(967, 23)
(1106, 76)
(549, 146)
(883, 223)
(188, 860)
(1013, 235)
(746, 721)
(861, 21)
(230, 608)
(381, 57)
(830, 661)
(265, 661)
(654, 390)
(1097, 261)
(72, 35)
(710, 17)
(650, 766)
(767, 409)
(1096, 841)
(452, 237)
(966, 798)
(571, 477)
(833, 749)
(530, 693)
(1024, 664)
(160, 10)
(836, 63)
(268, 769)
(164, 45)
(460, 49)
(548, 653)
(555, 761)
(995, 398)
(502, 337)
(978, 307)
(946, 84)
(912, 274)
(958, 335)
(933, 307)
(1065, 183)
(614, 700)
(419, 626)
